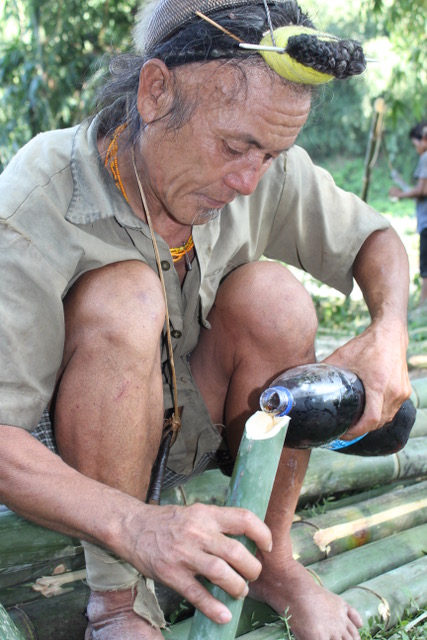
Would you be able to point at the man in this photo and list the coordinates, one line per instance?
(192, 156)
(418, 137)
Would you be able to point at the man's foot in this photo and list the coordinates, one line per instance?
(111, 617)
(314, 613)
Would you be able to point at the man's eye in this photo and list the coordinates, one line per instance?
(232, 151)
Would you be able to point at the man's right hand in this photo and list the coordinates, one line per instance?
(175, 545)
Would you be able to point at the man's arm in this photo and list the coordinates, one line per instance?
(418, 191)
(378, 355)
(171, 544)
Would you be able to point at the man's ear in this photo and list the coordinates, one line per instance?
(155, 91)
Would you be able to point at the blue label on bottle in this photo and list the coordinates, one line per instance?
(337, 444)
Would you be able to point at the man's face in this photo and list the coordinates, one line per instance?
(226, 146)
(419, 144)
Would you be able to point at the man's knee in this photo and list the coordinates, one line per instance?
(119, 303)
(264, 298)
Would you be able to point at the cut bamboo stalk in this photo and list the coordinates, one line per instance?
(23, 542)
(419, 392)
(209, 488)
(382, 601)
(8, 630)
(360, 496)
(378, 601)
(57, 618)
(250, 487)
(346, 570)
(419, 430)
(340, 530)
(330, 473)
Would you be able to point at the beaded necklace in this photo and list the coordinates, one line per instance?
(111, 161)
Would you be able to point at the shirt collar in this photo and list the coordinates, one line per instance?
(95, 196)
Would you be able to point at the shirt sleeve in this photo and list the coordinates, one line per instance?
(319, 227)
(31, 319)
(421, 170)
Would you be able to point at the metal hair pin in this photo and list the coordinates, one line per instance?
(257, 47)
(253, 47)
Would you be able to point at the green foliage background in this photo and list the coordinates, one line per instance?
(50, 51)
(50, 54)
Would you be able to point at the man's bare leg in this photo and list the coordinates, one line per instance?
(109, 405)
(263, 322)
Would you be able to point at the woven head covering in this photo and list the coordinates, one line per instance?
(161, 18)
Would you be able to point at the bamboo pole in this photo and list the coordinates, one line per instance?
(382, 601)
(274, 631)
(346, 570)
(8, 630)
(419, 429)
(330, 473)
(419, 392)
(378, 601)
(250, 487)
(340, 530)
(22, 542)
(375, 135)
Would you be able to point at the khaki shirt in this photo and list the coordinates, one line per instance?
(62, 215)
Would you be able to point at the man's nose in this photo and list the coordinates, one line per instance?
(245, 179)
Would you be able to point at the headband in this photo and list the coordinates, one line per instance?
(161, 19)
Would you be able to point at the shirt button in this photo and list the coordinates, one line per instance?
(165, 265)
(176, 334)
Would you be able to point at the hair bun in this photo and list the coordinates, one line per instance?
(340, 58)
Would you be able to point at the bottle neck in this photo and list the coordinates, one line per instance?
(277, 401)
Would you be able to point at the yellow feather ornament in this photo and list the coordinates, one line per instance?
(288, 67)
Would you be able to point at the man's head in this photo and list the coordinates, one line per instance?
(174, 32)
(207, 116)
(418, 137)
(239, 123)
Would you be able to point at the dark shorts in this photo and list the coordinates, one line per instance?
(217, 459)
(423, 253)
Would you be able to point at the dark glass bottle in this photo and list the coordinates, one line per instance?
(323, 402)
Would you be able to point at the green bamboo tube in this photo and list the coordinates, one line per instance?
(330, 473)
(22, 542)
(340, 530)
(346, 570)
(250, 487)
(368, 494)
(254, 615)
(8, 631)
(57, 618)
(382, 601)
(419, 430)
(419, 392)
(209, 488)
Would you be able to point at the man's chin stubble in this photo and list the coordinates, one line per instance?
(206, 216)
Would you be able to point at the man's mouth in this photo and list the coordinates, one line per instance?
(213, 203)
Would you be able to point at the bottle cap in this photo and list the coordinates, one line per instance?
(276, 400)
